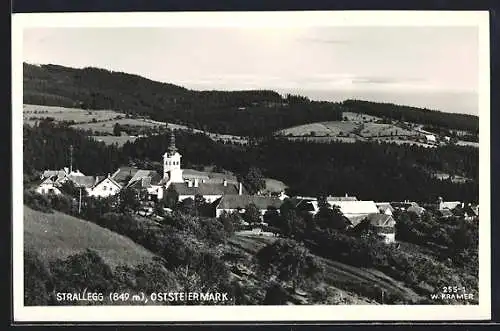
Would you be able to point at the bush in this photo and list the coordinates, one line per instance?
(37, 201)
(37, 280)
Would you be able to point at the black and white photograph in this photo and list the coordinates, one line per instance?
(251, 166)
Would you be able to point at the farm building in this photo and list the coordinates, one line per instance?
(48, 185)
(385, 208)
(430, 138)
(236, 202)
(384, 226)
(104, 187)
(209, 191)
(356, 211)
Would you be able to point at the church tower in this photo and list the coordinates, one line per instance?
(172, 171)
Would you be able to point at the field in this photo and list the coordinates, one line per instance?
(377, 130)
(30, 112)
(58, 235)
(107, 126)
(360, 118)
(109, 140)
(103, 121)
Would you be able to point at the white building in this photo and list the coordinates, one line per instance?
(105, 187)
(172, 171)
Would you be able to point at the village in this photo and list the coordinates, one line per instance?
(230, 196)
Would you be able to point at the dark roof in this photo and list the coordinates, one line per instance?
(235, 201)
(205, 189)
(123, 173)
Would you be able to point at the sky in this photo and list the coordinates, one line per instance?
(414, 65)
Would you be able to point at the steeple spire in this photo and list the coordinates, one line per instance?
(172, 149)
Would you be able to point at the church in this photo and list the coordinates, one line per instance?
(187, 183)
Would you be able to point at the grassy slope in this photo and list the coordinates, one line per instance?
(351, 281)
(57, 235)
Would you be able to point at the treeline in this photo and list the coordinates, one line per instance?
(245, 113)
(368, 170)
(414, 114)
(383, 172)
(47, 146)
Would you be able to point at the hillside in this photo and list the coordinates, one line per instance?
(245, 113)
(57, 235)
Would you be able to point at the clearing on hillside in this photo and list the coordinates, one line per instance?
(57, 235)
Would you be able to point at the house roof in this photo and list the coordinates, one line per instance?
(416, 209)
(381, 220)
(122, 174)
(205, 189)
(383, 206)
(100, 180)
(449, 204)
(84, 181)
(235, 201)
(341, 199)
(352, 208)
(51, 173)
(141, 173)
(192, 174)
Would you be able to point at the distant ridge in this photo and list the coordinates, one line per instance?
(244, 113)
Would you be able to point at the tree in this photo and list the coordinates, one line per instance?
(129, 200)
(117, 130)
(289, 261)
(171, 198)
(254, 180)
(330, 218)
(252, 214)
(188, 206)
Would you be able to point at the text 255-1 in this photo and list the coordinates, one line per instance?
(453, 289)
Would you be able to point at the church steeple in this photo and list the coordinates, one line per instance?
(171, 148)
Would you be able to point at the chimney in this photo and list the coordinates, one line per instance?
(190, 183)
(463, 205)
(196, 182)
(109, 175)
(96, 180)
(224, 182)
(66, 170)
(346, 195)
(240, 189)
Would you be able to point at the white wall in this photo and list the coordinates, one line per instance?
(105, 189)
(46, 188)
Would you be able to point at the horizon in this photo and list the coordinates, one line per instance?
(339, 95)
(367, 61)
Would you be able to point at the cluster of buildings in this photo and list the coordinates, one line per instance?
(229, 195)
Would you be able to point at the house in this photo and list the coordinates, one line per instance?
(416, 209)
(123, 175)
(48, 186)
(466, 212)
(404, 205)
(383, 225)
(385, 208)
(235, 202)
(430, 138)
(104, 187)
(356, 211)
(210, 191)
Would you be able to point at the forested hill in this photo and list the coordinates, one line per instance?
(246, 113)
(414, 114)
